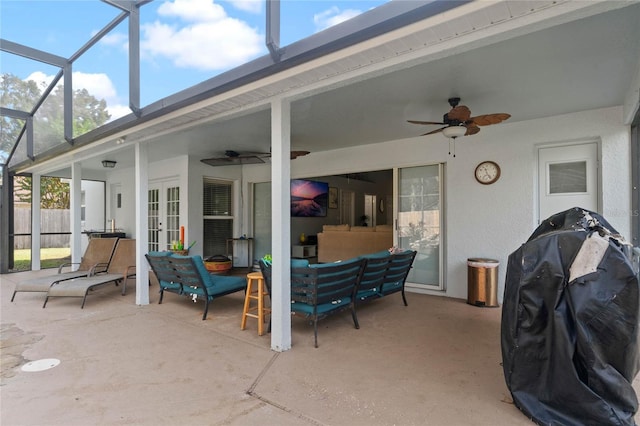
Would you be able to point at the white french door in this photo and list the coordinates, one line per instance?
(164, 214)
(419, 219)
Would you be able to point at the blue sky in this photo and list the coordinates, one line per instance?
(183, 42)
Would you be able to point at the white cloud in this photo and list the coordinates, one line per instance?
(210, 40)
(333, 16)
(40, 77)
(193, 10)
(251, 6)
(115, 39)
(117, 111)
(98, 85)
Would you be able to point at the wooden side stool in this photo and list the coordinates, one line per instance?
(256, 291)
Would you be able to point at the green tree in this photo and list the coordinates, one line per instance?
(48, 123)
(15, 93)
(19, 95)
(54, 192)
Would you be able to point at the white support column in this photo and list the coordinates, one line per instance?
(36, 220)
(76, 212)
(142, 223)
(281, 225)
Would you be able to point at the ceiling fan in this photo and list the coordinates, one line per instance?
(460, 116)
(234, 157)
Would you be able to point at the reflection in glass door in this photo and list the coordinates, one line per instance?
(419, 223)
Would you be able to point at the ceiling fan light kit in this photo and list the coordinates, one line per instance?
(454, 131)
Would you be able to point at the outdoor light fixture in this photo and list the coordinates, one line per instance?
(109, 164)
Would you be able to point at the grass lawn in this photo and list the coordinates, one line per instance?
(49, 258)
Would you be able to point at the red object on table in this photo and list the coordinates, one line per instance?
(182, 235)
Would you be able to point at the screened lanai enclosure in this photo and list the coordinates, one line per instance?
(181, 123)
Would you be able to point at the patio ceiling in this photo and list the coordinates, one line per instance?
(528, 59)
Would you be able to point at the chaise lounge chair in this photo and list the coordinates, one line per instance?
(121, 268)
(95, 260)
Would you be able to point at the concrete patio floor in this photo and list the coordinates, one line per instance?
(435, 362)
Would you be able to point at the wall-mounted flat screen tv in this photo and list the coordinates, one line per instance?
(309, 198)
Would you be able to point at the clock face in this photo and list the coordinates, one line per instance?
(487, 172)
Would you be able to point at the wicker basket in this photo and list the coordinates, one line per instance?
(219, 267)
(181, 252)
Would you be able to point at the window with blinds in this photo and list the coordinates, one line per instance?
(217, 200)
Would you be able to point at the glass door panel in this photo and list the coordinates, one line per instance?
(154, 219)
(419, 223)
(173, 216)
(164, 215)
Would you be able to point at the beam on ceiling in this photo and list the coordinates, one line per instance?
(134, 61)
(273, 29)
(127, 5)
(29, 130)
(31, 53)
(14, 113)
(68, 103)
(47, 91)
(96, 38)
(385, 18)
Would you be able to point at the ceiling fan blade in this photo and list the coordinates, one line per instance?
(472, 130)
(293, 156)
(460, 113)
(253, 154)
(230, 161)
(296, 154)
(487, 119)
(434, 131)
(424, 122)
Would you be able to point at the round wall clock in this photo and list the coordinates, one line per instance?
(487, 172)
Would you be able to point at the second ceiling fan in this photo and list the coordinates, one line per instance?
(234, 157)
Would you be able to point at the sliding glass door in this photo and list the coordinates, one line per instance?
(420, 223)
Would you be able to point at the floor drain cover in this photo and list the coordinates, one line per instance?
(40, 364)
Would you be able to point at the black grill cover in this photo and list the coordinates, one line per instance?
(570, 342)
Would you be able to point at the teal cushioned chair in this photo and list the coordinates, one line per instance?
(320, 290)
(194, 279)
(373, 275)
(265, 268)
(164, 272)
(397, 273)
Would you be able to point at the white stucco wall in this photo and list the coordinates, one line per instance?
(481, 221)
(492, 221)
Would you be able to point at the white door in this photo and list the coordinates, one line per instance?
(567, 177)
(164, 215)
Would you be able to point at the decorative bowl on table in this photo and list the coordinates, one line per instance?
(217, 264)
(181, 252)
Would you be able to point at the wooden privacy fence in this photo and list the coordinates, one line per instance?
(52, 220)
